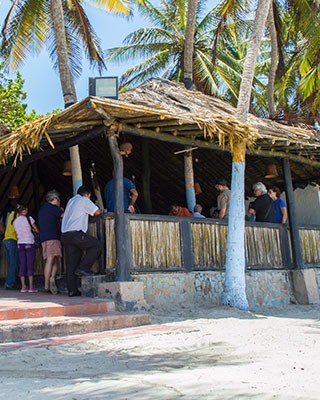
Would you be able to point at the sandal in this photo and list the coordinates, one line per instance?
(53, 286)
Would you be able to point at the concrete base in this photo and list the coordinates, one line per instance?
(268, 288)
(305, 286)
(89, 284)
(128, 296)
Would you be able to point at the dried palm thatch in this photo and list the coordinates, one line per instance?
(167, 111)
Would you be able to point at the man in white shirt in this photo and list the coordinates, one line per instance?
(76, 240)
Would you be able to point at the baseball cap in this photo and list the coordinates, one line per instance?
(221, 182)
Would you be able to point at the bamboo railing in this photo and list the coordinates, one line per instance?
(159, 243)
(156, 242)
(310, 244)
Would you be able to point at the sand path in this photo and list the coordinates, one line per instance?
(216, 353)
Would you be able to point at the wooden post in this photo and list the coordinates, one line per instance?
(186, 244)
(285, 246)
(146, 176)
(101, 235)
(35, 189)
(293, 223)
(123, 261)
(189, 180)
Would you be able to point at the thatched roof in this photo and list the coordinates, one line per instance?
(166, 111)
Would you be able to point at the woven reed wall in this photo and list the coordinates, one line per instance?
(156, 244)
(310, 245)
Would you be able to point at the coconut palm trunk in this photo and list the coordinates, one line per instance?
(189, 43)
(67, 83)
(234, 293)
(273, 62)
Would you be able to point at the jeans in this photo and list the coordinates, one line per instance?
(81, 252)
(11, 252)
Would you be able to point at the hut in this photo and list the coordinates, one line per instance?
(161, 120)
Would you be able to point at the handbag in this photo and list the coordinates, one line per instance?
(37, 241)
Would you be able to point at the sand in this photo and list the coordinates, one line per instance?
(190, 353)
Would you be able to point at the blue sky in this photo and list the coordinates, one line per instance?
(42, 83)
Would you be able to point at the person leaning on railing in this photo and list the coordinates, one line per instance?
(262, 207)
(179, 211)
(81, 249)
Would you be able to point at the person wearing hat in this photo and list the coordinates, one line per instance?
(262, 207)
(223, 200)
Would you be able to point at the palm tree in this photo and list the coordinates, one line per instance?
(63, 26)
(234, 293)
(299, 90)
(160, 48)
(189, 43)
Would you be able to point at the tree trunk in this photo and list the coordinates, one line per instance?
(251, 59)
(274, 60)
(234, 293)
(67, 83)
(189, 43)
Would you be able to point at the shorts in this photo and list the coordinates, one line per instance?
(51, 248)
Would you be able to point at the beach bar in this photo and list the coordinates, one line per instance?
(162, 119)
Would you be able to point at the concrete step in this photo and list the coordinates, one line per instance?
(28, 316)
(44, 327)
(15, 306)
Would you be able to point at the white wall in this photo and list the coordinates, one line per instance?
(308, 205)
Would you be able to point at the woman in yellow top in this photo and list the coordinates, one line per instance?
(11, 251)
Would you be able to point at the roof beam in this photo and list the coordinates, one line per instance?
(213, 146)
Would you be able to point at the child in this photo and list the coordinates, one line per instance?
(24, 226)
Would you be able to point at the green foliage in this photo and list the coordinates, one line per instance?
(220, 46)
(298, 91)
(13, 109)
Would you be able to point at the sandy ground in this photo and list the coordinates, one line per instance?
(216, 353)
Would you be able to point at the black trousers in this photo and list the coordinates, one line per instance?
(81, 251)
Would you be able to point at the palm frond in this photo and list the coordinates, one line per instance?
(24, 32)
(81, 25)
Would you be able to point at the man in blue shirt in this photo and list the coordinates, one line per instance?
(50, 215)
(130, 195)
